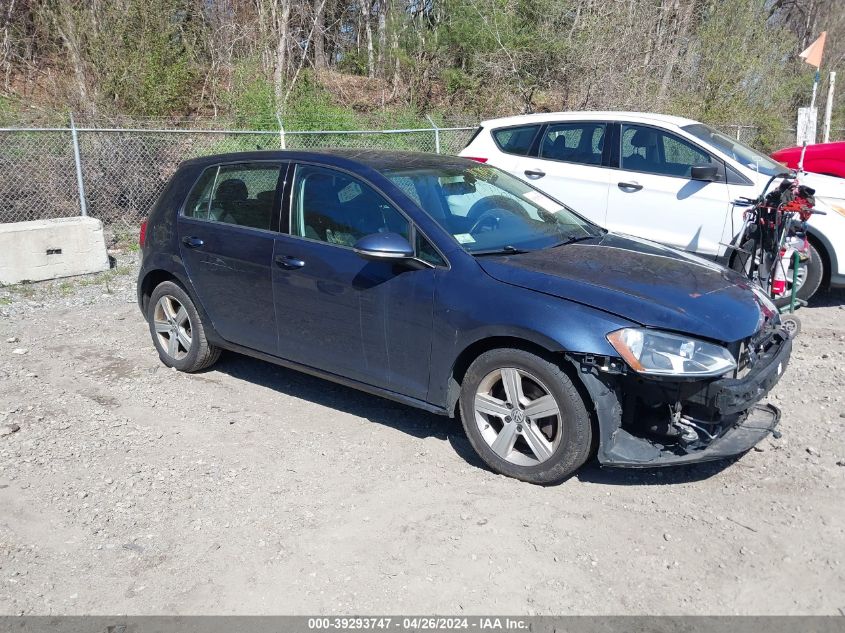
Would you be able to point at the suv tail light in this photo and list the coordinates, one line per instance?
(477, 159)
(142, 234)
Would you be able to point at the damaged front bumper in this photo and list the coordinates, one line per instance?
(647, 422)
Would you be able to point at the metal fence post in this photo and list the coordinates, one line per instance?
(282, 144)
(80, 185)
(436, 134)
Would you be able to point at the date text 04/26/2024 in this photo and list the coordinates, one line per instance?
(418, 623)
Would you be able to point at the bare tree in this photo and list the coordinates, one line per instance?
(366, 7)
(280, 12)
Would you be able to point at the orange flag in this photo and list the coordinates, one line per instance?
(813, 54)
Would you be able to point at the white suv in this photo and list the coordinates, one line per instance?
(664, 178)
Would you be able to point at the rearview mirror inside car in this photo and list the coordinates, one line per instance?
(382, 247)
(459, 188)
(704, 172)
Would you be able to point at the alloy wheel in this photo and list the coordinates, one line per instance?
(172, 327)
(518, 416)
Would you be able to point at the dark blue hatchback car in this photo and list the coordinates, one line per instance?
(454, 287)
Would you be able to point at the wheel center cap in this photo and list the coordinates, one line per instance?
(518, 415)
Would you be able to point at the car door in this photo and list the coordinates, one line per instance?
(652, 196)
(227, 232)
(569, 166)
(364, 320)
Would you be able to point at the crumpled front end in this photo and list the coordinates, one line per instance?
(647, 422)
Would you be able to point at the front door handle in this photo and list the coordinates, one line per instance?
(289, 262)
(534, 174)
(192, 242)
(629, 186)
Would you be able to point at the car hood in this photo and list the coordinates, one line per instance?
(643, 282)
(825, 186)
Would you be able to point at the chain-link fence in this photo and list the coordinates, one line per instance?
(116, 174)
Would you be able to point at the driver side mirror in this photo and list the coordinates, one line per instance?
(708, 173)
(384, 247)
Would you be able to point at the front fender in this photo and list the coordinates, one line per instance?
(469, 313)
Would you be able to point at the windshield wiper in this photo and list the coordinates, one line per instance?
(505, 250)
(577, 238)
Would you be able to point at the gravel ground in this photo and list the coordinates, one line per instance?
(128, 488)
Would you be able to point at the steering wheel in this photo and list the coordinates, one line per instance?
(484, 212)
(487, 221)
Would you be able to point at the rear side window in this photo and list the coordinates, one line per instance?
(240, 194)
(574, 143)
(516, 140)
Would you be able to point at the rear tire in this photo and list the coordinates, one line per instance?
(524, 417)
(177, 331)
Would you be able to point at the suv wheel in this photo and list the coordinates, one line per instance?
(177, 331)
(524, 417)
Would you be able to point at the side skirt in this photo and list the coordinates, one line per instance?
(341, 380)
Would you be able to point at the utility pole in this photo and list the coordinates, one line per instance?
(828, 107)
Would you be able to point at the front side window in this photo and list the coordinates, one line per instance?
(487, 210)
(333, 207)
(240, 194)
(653, 151)
(516, 140)
(574, 143)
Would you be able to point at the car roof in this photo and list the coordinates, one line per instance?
(589, 115)
(376, 159)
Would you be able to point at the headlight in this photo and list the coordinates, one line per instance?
(663, 354)
(836, 204)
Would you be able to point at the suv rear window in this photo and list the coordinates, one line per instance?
(516, 140)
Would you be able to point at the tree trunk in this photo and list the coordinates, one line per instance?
(382, 36)
(368, 33)
(6, 46)
(396, 66)
(319, 38)
(264, 30)
(282, 18)
(685, 21)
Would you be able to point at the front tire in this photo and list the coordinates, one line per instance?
(177, 331)
(524, 417)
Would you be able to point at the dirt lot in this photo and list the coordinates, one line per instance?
(130, 488)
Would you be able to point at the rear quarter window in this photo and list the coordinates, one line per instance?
(516, 140)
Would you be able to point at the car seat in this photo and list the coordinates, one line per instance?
(646, 140)
(558, 150)
(230, 196)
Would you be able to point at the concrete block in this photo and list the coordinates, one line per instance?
(47, 249)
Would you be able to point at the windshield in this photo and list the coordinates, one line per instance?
(489, 211)
(740, 152)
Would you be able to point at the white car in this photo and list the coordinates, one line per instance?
(663, 178)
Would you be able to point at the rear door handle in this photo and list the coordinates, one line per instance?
(289, 262)
(629, 186)
(534, 174)
(192, 242)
